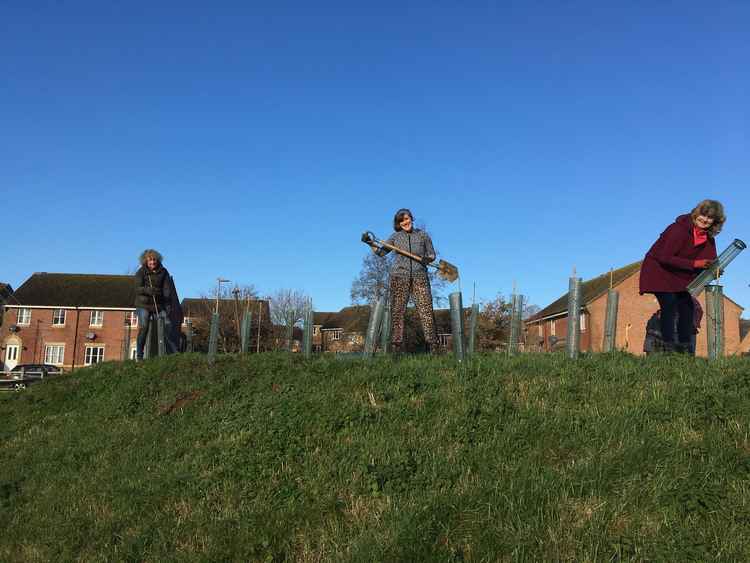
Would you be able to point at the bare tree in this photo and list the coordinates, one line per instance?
(286, 303)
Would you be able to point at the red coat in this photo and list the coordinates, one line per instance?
(668, 265)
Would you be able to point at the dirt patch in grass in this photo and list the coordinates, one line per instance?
(181, 401)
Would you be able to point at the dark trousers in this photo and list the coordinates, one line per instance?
(680, 305)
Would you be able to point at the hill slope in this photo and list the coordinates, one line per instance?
(273, 458)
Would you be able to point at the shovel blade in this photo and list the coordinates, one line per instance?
(447, 271)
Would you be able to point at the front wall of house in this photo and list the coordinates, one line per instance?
(40, 333)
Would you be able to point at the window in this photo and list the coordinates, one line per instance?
(541, 330)
(552, 328)
(97, 318)
(94, 355)
(186, 320)
(58, 317)
(24, 317)
(133, 351)
(131, 319)
(444, 340)
(336, 334)
(316, 330)
(54, 354)
(583, 323)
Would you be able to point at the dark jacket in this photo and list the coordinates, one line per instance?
(150, 286)
(417, 242)
(668, 265)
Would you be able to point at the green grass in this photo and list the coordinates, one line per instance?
(271, 458)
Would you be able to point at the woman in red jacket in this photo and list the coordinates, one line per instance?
(684, 249)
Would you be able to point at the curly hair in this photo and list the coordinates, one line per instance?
(399, 216)
(715, 210)
(150, 252)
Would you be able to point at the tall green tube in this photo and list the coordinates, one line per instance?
(247, 321)
(373, 327)
(516, 312)
(457, 324)
(160, 334)
(473, 320)
(213, 338)
(307, 333)
(610, 321)
(573, 339)
(289, 331)
(715, 321)
(385, 330)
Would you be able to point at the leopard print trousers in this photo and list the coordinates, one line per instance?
(419, 289)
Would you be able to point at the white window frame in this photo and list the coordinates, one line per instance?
(552, 328)
(133, 351)
(59, 354)
(131, 319)
(185, 320)
(96, 315)
(583, 322)
(23, 317)
(336, 333)
(89, 356)
(541, 329)
(56, 313)
(443, 339)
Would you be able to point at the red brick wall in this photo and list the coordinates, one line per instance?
(34, 337)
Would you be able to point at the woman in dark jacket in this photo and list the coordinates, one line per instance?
(153, 297)
(685, 248)
(409, 278)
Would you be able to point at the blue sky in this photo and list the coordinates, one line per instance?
(257, 140)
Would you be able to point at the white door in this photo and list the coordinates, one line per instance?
(11, 356)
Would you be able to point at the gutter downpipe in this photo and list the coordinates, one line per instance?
(75, 339)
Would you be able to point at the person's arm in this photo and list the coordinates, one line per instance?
(140, 284)
(429, 255)
(382, 251)
(666, 253)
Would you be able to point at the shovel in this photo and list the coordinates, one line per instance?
(445, 270)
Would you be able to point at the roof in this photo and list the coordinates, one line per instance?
(77, 290)
(197, 306)
(590, 290)
(351, 319)
(5, 290)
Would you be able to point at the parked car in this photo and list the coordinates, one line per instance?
(24, 375)
(34, 371)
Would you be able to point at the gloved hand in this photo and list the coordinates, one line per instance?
(701, 263)
(367, 237)
(426, 260)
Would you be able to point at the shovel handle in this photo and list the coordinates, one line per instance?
(398, 250)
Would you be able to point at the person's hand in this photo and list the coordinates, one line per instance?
(701, 263)
(426, 260)
(367, 238)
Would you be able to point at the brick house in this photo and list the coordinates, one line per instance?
(69, 320)
(345, 330)
(199, 310)
(547, 330)
(5, 292)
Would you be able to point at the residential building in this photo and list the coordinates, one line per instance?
(69, 320)
(547, 329)
(5, 293)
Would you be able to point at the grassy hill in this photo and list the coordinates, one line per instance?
(271, 458)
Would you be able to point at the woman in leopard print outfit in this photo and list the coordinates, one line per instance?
(409, 278)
